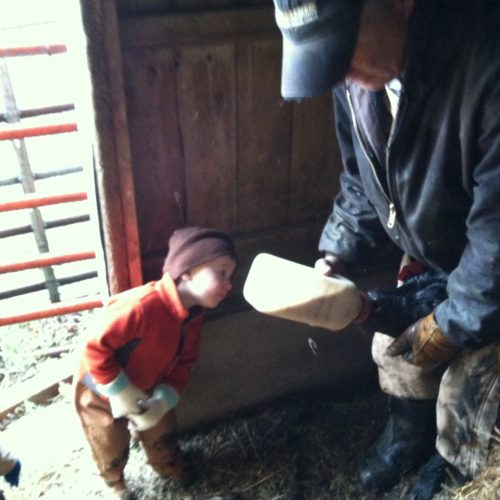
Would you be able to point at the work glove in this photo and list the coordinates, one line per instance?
(12, 477)
(164, 399)
(123, 396)
(392, 311)
(423, 344)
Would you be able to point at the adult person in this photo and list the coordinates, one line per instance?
(10, 468)
(416, 89)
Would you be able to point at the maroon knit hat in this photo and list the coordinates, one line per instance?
(191, 246)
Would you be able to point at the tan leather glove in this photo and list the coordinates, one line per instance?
(423, 344)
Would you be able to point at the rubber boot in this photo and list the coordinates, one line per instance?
(433, 475)
(407, 441)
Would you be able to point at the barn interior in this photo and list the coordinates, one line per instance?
(188, 127)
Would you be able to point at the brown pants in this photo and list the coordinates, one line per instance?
(109, 439)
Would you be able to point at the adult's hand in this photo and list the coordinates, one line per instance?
(330, 265)
(423, 344)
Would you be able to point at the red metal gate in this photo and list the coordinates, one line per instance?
(16, 131)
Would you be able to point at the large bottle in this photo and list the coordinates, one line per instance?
(286, 289)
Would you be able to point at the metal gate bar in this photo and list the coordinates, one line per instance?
(51, 224)
(14, 131)
(48, 110)
(48, 259)
(42, 175)
(38, 287)
(23, 132)
(34, 50)
(53, 310)
(39, 200)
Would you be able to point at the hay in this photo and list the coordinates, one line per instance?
(303, 447)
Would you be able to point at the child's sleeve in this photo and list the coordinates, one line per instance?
(180, 375)
(116, 326)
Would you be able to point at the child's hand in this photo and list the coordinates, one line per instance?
(153, 411)
(126, 402)
(123, 396)
(164, 399)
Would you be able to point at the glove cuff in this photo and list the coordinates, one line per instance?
(432, 342)
(167, 394)
(366, 309)
(114, 387)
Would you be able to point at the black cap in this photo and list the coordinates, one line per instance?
(319, 37)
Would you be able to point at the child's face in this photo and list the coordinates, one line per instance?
(210, 282)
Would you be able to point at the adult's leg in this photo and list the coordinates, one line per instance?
(467, 408)
(409, 436)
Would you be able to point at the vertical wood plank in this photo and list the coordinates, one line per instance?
(207, 117)
(158, 162)
(114, 178)
(263, 138)
(315, 161)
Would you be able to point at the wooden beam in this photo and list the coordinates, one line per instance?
(198, 28)
(114, 177)
(40, 388)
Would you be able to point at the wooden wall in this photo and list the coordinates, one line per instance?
(191, 129)
(141, 7)
(213, 142)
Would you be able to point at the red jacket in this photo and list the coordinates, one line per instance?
(146, 332)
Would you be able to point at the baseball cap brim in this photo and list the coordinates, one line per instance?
(313, 67)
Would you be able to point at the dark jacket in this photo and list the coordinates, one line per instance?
(431, 184)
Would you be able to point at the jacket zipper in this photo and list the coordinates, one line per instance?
(392, 207)
(391, 220)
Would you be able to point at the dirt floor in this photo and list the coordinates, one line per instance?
(304, 446)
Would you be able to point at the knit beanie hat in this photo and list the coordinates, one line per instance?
(191, 246)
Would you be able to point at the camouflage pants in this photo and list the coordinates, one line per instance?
(467, 392)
